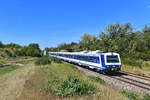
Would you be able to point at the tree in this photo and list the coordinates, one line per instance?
(114, 36)
(12, 45)
(1, 45)
(88, 42)
(33, 50)
(146, 29)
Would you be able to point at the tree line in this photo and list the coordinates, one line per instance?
(14, 50)
(121, 38)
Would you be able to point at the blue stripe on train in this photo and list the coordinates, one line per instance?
(103, 61)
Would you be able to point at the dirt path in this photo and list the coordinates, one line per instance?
(12, 83)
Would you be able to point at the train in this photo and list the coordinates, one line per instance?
(98, 60)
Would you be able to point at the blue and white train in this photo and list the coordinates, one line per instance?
(99, 60)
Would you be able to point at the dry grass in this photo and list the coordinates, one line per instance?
(16, 60)
(143, 71)
(12, 83)
(33, 88)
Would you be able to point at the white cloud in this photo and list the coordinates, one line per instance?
(148, 6)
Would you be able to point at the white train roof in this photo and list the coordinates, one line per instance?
(86, 53)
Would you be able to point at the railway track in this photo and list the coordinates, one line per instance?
(137, 76)
(133, 80)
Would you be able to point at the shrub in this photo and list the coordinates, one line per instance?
(146, 97)
(141, 74)
(54, 59)
(130, 95)
(132, 62)
(73, 87)
(8, 53)
(97, 79)
(43, 61)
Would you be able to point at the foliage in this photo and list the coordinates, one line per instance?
(146, 97)
(14, 50)
(118, 38)
(12, 45)
(8, 69)
(74, 87)
(130, 95)
(97, 79)
(1, 45)
(54, 59)
(134, 96)
(43, 61)
(132, 61)
(47, 60)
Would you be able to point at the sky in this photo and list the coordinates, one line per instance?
(52, 22)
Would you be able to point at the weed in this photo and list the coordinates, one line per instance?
(130, 95)
(43, 61)
(73, 87)
(97, 79)
(146, 97)
(8, 69)
(54, 59)
(141, 74)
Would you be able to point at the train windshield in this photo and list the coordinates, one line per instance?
(112, 59)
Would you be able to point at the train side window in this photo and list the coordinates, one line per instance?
(78, 57)
(94, 59)
(82, 58)
(91, 59)
(75, 57)
(88, 59)
(98, 60)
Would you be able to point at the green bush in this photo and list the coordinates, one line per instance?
(146, 97)
(43, 61)
(130, 95)
(97, 79)
(54, 59)
(134, 96)
(73, 87)
(132, 62)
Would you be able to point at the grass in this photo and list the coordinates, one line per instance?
(131, 95)
(8, 69)
(12, 83)
(97, 79)
(136, 66)
(73, 87)
(13, 60)
(47, 60)
(134, 96)
(58, 81)
(43, 61)
(144, 70)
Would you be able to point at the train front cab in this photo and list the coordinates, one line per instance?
(110, 62)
